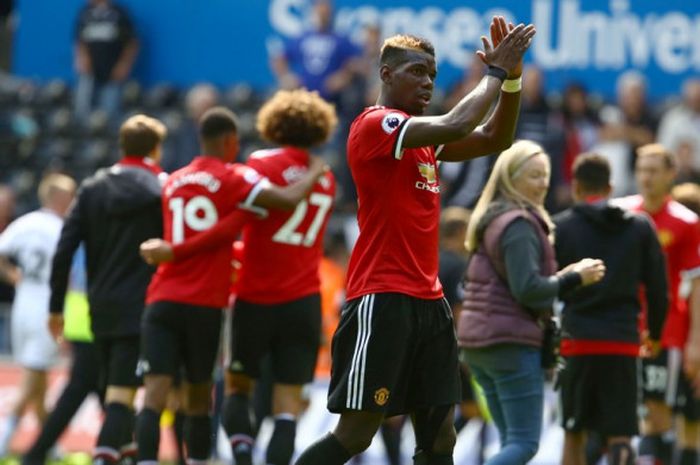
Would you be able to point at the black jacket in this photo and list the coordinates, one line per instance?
(115, 210)
(627, 243)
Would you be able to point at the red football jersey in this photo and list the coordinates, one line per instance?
(195, 198)
(283, 251)
(398, 209)
(678, 229)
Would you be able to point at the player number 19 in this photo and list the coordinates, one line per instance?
(288, 233)
(198, 213)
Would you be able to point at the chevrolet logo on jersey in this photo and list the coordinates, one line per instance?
(427, 171)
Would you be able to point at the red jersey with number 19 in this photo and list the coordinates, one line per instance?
(283, 251)
(398, 209)
(194, 199)
(678, 229)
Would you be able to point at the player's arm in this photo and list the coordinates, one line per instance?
(459, 130)
(692, 347)
(9, 272)
(288, 197)
(68, 242)
(655, 280)
(156, 251)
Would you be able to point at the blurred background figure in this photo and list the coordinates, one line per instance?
(319, 59)
(183, 145)
(30, 242)
(581, 128)
(541, 123)
(105, 51)
(627, 125)
(6, 30)
(680, 126)
(7, 291)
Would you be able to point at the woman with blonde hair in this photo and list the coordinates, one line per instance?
(511, 284)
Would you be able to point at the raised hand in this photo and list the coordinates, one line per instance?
(509, 46)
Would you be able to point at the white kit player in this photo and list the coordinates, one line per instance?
(27, 247)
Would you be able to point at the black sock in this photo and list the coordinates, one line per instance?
(238, 426)
(72, 397)
(179, 429)
(127, 450)
(118, 420)
(326, 451)
(655, 449)
(198, 437)
(148, 435)
(595, 448)
(688, 457)
(391, 435)
(281, 446)
(441, 459)
(620, 454)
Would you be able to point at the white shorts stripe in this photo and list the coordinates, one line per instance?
(355, 355)
(369, 310)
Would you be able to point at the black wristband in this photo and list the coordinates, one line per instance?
(497, 72)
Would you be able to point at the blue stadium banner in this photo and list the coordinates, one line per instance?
(228, 41)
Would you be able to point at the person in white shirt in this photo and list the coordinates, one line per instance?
(27, 247)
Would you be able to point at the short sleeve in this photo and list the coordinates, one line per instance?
(380, 133)
(248, 184)
(690, 263)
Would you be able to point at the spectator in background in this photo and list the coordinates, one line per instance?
(511, 284)
(600, 324)
(30, 242)
(688, 171)
(540, 123)
(626, 127)
(581, 128)
(320, 59)
(6, 30)
(105, 51)
(183, 146)
(681, 124)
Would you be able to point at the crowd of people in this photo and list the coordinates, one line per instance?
(162, 260)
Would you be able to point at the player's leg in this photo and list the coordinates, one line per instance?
(250, 335)
(23, 400)
(688, 425)
(372, 352)
(574, 450)
(352, 435)
(158, 363)
(391, 436)
(203, 330)
(81, 381)
(658, 375)
(120, 358)
(615, 414)
(435, 358)
(294, 350)
(576, 399)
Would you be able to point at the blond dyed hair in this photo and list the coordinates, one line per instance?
(499, 186)
(53, 183)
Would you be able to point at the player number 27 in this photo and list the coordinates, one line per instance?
(199, 213)
(288, 233)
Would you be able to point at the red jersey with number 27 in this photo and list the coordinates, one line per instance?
(678, 229)
(283, 251)
(195, 198)
(398, 209)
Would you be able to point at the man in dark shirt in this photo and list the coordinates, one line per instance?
(600, 335)
(115, 210)
(105, 50)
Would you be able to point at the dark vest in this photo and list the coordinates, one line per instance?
(490, 314)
